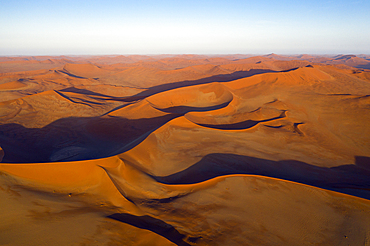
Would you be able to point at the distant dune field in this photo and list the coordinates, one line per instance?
(185, 150)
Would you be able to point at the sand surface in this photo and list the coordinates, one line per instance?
(185, 150)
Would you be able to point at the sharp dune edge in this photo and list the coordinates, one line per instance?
(185, 150)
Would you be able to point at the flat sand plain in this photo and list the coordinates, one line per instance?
(185, 150)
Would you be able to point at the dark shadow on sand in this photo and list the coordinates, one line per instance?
(76, 138)
(186, 109)
(155, 225)
(70, 74)
(240, 125)
(351, 179)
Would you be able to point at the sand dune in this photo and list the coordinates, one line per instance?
(195, 98)
(202, 213)
(84, 70)
(185, 150)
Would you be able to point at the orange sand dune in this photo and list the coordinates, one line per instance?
(96, 197)
(46, 107)
(185, 150)
(12, 85)
(204, 97)
(8, 77)
(85, 70)
(29, 65)
(170, 63)
(146, 77)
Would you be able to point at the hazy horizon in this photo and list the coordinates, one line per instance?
(185, 54)
(192, 27)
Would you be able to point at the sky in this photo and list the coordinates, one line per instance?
(108, 27)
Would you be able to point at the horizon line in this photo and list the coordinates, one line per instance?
(198, 54)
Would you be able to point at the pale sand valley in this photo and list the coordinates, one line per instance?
(185, 150)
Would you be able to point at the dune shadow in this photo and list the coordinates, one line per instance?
(363, 66)
(85, 92)
(71, 74)
(350, 179)
(363, 161)
(186, 109)
(240, 125)
(76, 138)
(155, 225)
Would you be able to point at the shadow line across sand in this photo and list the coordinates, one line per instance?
(243, 124)
(76, 138)
(155, 225)
(353, 179)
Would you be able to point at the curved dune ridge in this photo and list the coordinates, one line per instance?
(195, 98)
(185, 150)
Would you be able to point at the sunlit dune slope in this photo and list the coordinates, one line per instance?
(41, 109)
(194, 98)
(185, 150)
(85, 70)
